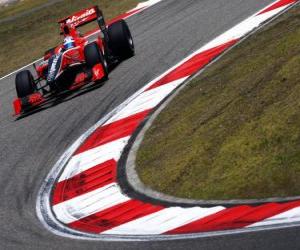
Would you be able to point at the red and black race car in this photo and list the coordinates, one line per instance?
(75, 62)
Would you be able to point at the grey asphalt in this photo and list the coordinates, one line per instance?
(29, 147)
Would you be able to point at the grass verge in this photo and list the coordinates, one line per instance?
(25, 39)
(19, 7)
(233, 132)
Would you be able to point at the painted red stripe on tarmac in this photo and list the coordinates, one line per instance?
(277, 5)
(193, 65)
(122, 16)
(236, 217)
(115, 216)
(87, 181)
(89, 33)
(113, 131)
(125, 15)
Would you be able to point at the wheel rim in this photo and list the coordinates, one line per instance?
(129, 39)
(131, 42)
(105, 64)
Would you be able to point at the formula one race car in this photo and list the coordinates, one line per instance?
(76, 61)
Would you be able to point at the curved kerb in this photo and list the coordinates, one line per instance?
(87, 195)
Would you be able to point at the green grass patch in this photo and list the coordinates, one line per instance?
(233, 132)
(19, 7)
(25, 39)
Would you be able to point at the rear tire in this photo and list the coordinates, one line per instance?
(120, 40)
(24, 84)
(93, 55)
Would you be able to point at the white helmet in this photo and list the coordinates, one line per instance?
(69, 43)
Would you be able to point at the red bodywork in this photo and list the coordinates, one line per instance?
(70, 58)
(73, 57)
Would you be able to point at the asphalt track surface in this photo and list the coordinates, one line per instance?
(29, 147)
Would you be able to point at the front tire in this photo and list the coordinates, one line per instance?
(93, 55)
(25, 85)
(120, 40)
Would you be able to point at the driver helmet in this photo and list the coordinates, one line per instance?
(69, 43)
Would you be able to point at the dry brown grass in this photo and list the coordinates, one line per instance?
(234, 132)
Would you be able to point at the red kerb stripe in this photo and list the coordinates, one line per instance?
(87, 181)
(113, 131)
(115, 216)
(236, 217)
(277, 5)
(193, 65)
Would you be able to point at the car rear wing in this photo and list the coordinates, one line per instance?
(83, 17)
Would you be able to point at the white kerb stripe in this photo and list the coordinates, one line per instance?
(289, 216)
(146, 100)
(93, 157)
(241, 29)
(163, 221)
(89, 203)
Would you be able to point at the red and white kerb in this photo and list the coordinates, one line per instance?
(88, 198)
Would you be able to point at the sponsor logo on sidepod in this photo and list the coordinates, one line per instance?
(53, 68)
